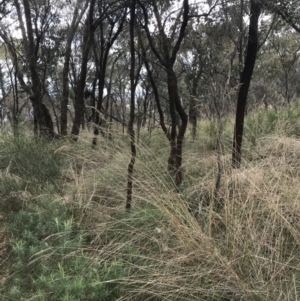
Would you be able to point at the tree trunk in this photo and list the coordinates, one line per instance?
(193, 116)
(41, 112)
(79, 96)
(252, 49)
(155, 91)
(193, 113)
(132, 109)
(106, 44)
(176, 140)
(167, 58)
(66, 68)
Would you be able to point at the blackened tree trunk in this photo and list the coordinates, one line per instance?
(106, 42)
(65, 78)
(167, 58)
(193, 115)
(79, 90)
(193, 78)
(132, 108)
(42, 115)
(155, 90)
(252, 49)
(176, 138)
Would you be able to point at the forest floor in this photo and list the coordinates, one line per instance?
(68, 236)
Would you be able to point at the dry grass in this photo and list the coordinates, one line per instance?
(185, 246)
(181, 246)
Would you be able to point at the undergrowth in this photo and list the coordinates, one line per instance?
(70, 238)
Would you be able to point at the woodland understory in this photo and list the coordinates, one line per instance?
(149, 150)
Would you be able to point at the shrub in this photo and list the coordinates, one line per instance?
(50, 262)
(31, 159)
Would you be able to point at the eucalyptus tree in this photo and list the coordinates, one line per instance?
(153, 100)
(154, 77)
(110, 28)
(37, 21)
(285, 49)
(202, 54)
(169, 25)
(245, 80)
(193, 68)
(143, 103)
(288, 10)
(77, 15)
(165, 46)
(109, 12)
(87, 40)
(132, 106)
(9, 104)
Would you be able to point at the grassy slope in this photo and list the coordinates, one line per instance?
(70, 238)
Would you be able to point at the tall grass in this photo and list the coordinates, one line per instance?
(78, 243)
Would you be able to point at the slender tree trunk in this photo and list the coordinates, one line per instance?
(42, 114)
(252, 49)
(132, 109)
(193, 115)
(167, 58)
(145, 107)
(241, 38)
(79, 96)
(43, 121)
(156, 94)
(97, 120)
(93, 101)
(106, 44)
(177, 143)
(172, 134)
(65, 93)
(66, 68)
(193, 112)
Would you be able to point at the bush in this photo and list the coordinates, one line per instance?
(260, 124)
(50, 262)
(284, 122)
(31, 159)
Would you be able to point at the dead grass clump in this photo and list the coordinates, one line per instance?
(247, 249)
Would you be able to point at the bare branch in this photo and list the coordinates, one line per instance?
(205, 14)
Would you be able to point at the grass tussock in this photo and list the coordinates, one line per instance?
(70, 238)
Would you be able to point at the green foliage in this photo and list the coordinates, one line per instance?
(210, 132)
(34, 160)
(49, 260)
(9, 184)
(260, 124)
(284, 122)
(290, 119)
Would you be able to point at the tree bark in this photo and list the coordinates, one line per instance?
(132, 108)
(65, 78)
(252, 49)
(167, 59)
(42, 115)
(155, 91)
(106, 44)
(176, 140)
(193, 116)
(79, 93)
